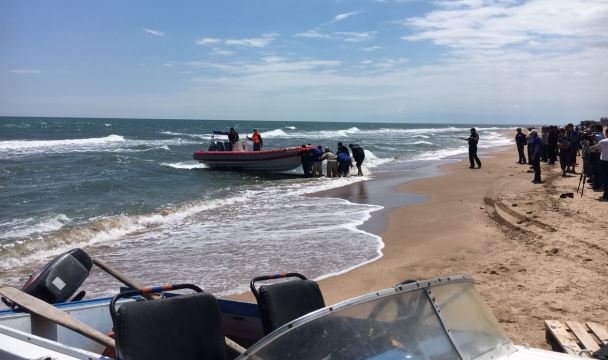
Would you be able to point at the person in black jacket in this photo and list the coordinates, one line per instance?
(552, 145)
(358, 155)
(520, 141)
(473, 139)
(306, 159)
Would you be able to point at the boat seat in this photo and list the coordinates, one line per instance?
(283, 302)
(220, 146)
(178, 327)
(227, 146)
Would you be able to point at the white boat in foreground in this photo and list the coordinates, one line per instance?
(442, 318)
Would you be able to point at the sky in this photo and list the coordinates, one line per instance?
(445, 61)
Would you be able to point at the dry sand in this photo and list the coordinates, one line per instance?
(534, 255)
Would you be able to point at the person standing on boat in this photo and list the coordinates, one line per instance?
(473, 139)
(256, 138)
(233, 136)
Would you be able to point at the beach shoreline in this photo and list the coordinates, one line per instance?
(459, 225)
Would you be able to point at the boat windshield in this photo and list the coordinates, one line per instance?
(419, 321)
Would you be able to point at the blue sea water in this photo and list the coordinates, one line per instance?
(128, 192)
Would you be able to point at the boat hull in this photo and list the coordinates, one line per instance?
(266, 160)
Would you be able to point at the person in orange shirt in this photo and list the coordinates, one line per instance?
(257, 140)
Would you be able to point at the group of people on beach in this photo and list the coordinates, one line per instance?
(589, 141)
(338, 164)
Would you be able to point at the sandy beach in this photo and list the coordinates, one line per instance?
(534, 255)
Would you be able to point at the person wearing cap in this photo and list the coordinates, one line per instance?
(535, 155)
(520, 141)
(473, 139)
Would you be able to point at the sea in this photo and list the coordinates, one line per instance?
(128, 192)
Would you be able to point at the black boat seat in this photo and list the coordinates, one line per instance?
(283, 302)
(227, 146)
(220, 146)
(179, 327)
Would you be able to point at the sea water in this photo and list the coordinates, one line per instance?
(128, 192)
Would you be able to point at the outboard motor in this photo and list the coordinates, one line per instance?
(58, 280)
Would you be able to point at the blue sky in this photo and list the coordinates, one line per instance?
(461, 61)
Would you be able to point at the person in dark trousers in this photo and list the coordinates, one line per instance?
(552, 146)
(535, 155)
(306, 160)
(358, 155)
(256, 138)
(520, 141)
(473, 139)
(344, 163)
(316, 153)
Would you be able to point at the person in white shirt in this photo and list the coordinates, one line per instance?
(602, 146)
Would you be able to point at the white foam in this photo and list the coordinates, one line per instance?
(111, 143)
(274, 133)
(372, 161)
(196, 136)
(12, 145)
(290, 127)
(22, 228)
(187, 165)
(421, 142)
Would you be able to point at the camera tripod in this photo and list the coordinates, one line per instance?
(582, 180)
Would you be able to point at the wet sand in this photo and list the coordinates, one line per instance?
(534, 255)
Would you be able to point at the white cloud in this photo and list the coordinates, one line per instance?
(313, 34)
(208, 41)
(223, 52)
(348, 36)
(344, 16)
(268, 65)
(25, 71)
(154, 32)
(351, 36)
(372, 48)
(259, 42)
(487, 24)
